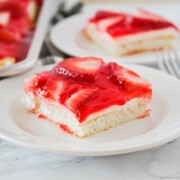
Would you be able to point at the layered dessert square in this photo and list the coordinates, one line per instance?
(121, 33)
(84, 96)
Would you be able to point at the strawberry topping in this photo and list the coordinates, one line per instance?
(127, 76)
(112, 85)
(16, 26)
(148, 15)
(103, 15)
(79, 98)
(55, 87)
(80, 70)
(128, 24)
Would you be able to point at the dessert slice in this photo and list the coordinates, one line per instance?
(84, 96)
(123, 34)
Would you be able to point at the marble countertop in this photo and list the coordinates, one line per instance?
(21, 163)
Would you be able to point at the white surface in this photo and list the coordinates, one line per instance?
(67, 35)
(26, 164)
(162, 126)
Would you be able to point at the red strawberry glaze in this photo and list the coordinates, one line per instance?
(61, 126)
(103, 15)
(16, 35)
(19, 20)
(133, 25)
(65, 128)
(113, 85)
(9, 50)
(129, 24)
(41, 116)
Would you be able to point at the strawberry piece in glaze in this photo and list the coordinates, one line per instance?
(9, 50)
(79, 98)
(113, 85)
(133, 25)
(17, 27)
(148, 15)
(123, 24)
(125, 75)
(80, 70)
(4, 18)
(7, 36)
(55, 87)
(103, 15)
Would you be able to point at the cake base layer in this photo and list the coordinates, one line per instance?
(97, 122)
(160, 40)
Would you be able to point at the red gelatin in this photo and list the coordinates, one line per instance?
(102, 15)
(18, 30)
(9, 50)
(132, 25)
(65, 128)
(129, 24)
(41, 116)
(111, 85)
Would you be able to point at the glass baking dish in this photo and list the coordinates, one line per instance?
(36, 42)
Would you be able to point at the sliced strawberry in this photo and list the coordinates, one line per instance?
(79, 98)
(37, 82)
(159, 21)
(20, 25)
(4, 18)
(40, 84)
(55, 87)
(102, 15)
(29, 84)
(127, 76)
(79, 68)
(133, 25)
(42, 78)
(149, 15)
(13, 6)
(9, 50)
(106, 14)
(8, 36)
(19, 21)
(138, 92)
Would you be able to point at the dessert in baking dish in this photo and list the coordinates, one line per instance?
(17, 22)
(123, 34)
(84, 96)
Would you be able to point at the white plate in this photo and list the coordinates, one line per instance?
(26, 129)
(67, 36)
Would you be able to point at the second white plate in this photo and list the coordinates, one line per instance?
(67, 36)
